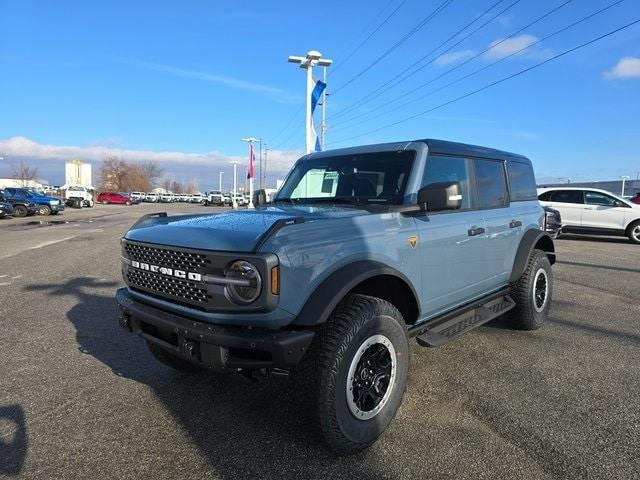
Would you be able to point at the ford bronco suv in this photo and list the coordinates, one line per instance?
(362, 249)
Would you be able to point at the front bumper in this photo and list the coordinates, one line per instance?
(57, 208)
(213, 346)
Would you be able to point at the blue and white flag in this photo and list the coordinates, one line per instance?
(316, 93)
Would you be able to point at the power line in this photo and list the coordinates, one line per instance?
(381, 89)
(361, 44)
(493, 84)
(464, 77)
(288, 123)
(387, 52)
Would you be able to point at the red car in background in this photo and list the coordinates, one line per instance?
(635, 198)
(110, 197)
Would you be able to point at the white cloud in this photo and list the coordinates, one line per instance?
(227, 81)
(453, 57)
(627, 67)
(502, 48)
(49, 158)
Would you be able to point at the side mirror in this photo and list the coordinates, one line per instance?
(440, 196)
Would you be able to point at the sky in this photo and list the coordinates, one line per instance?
(182, 82)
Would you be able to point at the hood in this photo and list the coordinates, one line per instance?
(42, 198)
(235, 231)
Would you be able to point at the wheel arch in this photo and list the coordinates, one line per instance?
(366, 277)
(627, 229)
(533, 239)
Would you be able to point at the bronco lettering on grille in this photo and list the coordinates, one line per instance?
(171, 272)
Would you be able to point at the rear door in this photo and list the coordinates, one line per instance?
(570, 204)
(601, 211)
(502, 231)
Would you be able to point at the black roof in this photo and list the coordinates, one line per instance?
(466, 150)
(442, 147)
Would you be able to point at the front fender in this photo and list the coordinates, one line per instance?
(333, 289)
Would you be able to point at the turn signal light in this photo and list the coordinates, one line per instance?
(275, 280)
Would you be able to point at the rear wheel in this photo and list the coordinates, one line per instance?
(44, 210)
(532, 293)
(20, 211)
(172, 361)
(634, 232)
(354, 376)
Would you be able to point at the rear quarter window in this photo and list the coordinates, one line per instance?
(522, 181)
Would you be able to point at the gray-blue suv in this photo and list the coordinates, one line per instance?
(362, 249)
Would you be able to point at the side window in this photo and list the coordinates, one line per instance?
(522, 182)
(546, 196)
(491, 185)
(567, 196)
(449, 169)
(597, 198)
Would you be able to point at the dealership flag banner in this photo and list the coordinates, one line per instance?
(316, 93)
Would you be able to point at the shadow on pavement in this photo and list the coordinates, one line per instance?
(243, 430)
(13, 439)
(594, 238)
(593, 265)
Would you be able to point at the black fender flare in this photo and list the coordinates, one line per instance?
(333, 289)
(531, 240)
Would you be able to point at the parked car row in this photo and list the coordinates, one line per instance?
(24, 201)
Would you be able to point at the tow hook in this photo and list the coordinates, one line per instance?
(190, 349)
(124, 322)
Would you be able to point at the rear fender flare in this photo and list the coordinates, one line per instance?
(531, 240)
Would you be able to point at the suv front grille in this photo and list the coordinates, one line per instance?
(167, 286)
(180, 289)
(167, 258)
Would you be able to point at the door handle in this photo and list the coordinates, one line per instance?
(473, 231)
(515, 224)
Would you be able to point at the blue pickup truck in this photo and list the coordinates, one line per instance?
(362, 249)
(44, 205)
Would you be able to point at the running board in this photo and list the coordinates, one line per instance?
(471, 317)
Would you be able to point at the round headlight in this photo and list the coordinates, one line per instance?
(245, 284)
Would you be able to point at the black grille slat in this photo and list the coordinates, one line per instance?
(165, 257)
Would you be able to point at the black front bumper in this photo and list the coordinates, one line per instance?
(210, 345)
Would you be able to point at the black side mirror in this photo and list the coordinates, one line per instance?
(440, 196)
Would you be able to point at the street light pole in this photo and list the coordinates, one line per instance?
(235, 183)
(323, 125)
(624, 178)
(312, 59)
(220, 182)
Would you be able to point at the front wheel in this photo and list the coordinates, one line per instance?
(532, 293)
(44, 210)
(356, 372)
(634, 232)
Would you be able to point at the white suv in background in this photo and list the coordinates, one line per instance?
(593, 211)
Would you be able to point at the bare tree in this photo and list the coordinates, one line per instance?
(116, 175)
(152, 170)
(24, 173)
(176, 187)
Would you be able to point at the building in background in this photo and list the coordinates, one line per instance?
(17, 183)
(614, 186)
(77, 172)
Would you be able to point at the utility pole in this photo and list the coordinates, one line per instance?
(266, 151)
(624, 178)
(235, 183)
(312, 59)
(220, 182)
(260, 173)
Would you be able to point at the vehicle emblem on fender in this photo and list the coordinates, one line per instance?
(413, 241)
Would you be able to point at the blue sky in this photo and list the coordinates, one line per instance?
(182, 82)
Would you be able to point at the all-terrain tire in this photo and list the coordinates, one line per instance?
(20, 211)
(339, 347)
(532, 293)
(633, 232)
(172, 361)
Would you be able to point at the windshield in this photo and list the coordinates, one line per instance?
(378, 177)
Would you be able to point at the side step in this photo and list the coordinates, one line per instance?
(470, 318)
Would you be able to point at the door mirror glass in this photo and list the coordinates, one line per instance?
(440, 196)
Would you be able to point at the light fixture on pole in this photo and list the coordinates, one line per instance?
(624, 179)
(235, 183)
(312, 59)
(251, 141)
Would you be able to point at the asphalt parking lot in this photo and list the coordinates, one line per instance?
(80, 398)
